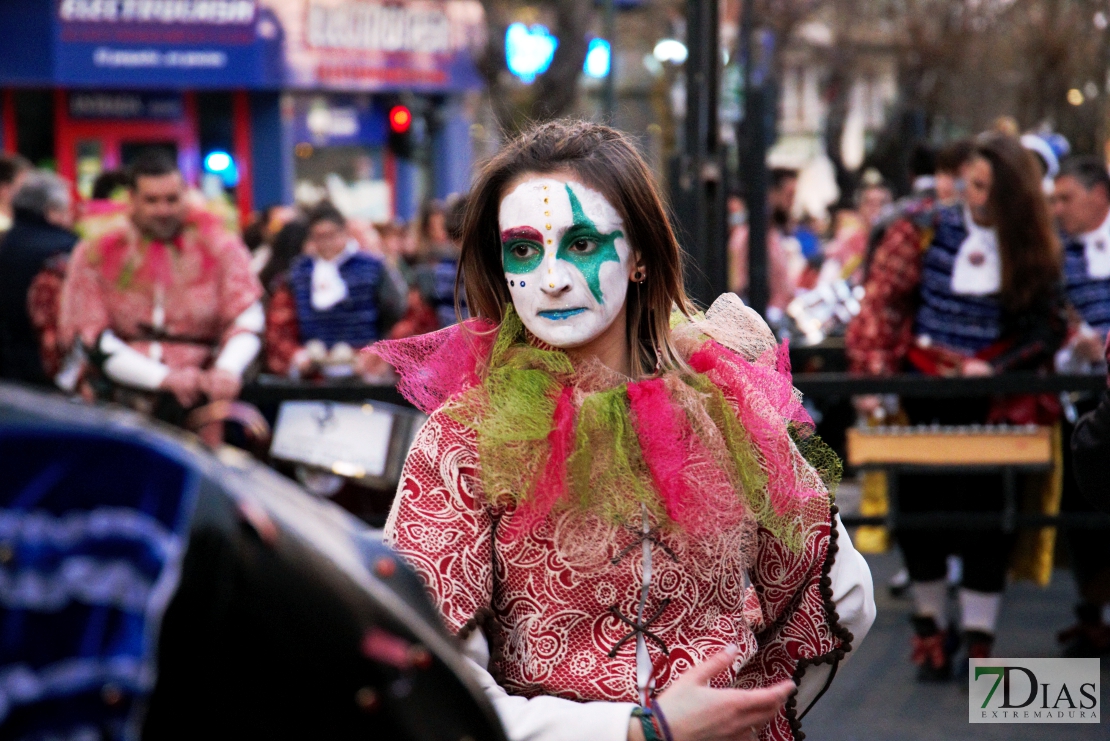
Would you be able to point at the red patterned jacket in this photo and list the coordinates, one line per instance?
(557, 605)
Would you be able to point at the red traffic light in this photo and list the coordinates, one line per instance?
(400, 119)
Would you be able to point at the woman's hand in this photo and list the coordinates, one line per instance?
(697, 712)
(867, 405)
(1089, 346)
(974, 367)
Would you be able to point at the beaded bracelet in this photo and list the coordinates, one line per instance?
(657, 712)
(646, 724)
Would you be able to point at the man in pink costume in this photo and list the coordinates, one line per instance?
(165, 301)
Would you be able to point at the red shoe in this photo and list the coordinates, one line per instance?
(979, 644)
(931, 652)
(1089, 638)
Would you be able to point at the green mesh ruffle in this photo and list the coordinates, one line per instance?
(513, 414)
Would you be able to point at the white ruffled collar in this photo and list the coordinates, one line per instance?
(978, 267)
(328, 286)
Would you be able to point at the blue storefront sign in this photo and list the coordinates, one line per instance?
(357, 45)
(209, 43)
(339, 119)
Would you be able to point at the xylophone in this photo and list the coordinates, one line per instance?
(947, 445)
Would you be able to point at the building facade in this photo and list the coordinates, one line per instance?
(291, 96)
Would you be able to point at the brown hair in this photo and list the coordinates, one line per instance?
(1027, 243)
(324, 211)
(11, 167)
(954, 155)
(604, 159)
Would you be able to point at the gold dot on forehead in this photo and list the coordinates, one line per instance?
(546, 213)
(545, 187)
(545, 199)
(548, 226)
(552, 285)
(551, 241)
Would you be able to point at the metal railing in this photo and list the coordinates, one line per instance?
(825, 385)
(272, 390)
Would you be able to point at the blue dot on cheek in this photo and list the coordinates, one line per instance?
(522, 284)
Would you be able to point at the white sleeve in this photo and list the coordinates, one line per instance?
(854, 595)
(128, 366)
(547, 718)
(242, 348)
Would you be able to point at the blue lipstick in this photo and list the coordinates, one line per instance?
(560, 314)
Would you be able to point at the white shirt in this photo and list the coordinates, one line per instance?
(1096, 247)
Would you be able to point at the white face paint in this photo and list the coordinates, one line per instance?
(566, 259)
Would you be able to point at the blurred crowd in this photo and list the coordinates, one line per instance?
(997, 261)
(148, 267)
(365, 282)
(819, 259)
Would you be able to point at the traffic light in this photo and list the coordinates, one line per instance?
(400, 119)
(400, 131)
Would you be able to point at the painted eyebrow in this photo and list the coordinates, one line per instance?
(582, 228)
(522, 232)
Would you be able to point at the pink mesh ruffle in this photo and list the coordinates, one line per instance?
(696, 493)
(551, 487)
(663, 442)
(763, 394)
(552, 435)
(436, 366)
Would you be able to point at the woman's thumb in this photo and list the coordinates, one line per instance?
(711, 667)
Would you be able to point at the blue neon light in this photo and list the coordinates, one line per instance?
(598, 59)
(529, 51)
(219, 162)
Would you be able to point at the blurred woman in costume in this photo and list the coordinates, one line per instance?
(982, 297)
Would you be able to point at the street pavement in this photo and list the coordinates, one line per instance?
(876, 698)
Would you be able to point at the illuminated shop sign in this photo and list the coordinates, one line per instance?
(126, 105)
(215, 12)
(373, 45)
(385, 28)
(342, 45)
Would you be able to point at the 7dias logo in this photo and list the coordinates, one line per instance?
(1034, 691)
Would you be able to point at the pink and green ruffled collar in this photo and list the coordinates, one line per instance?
(701, 450)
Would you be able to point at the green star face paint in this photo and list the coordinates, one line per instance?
(586, 248)
(565, 258)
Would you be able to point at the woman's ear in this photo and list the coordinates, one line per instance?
(636, 270)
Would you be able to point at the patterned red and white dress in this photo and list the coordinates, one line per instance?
(561, 605)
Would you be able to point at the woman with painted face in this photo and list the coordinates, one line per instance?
(617, 501)
(982, 297)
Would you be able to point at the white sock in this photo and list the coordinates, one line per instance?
(979, 610)
(930, 599)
